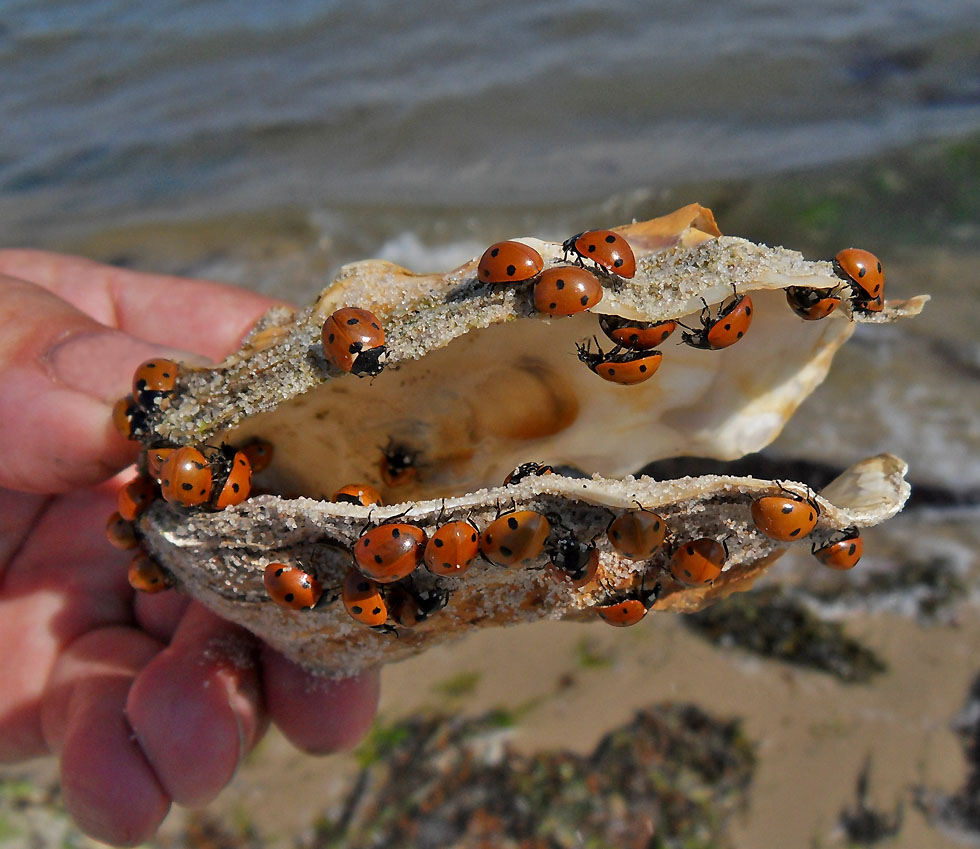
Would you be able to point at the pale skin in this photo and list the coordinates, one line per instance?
(145, 699)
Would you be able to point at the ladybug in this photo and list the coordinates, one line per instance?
(509, 262)
(121, 532)
(364, 600)
(135, 497)
(870, 305)
(785, 517)
(637, 535)
(354, 341)
(862, 271)
(628, 611)
(154, 379)
(129, 418)
(626, 368)
(812, 304)
(515, 538)
(259, 454)
(527, 470)
(238, 484)
(609, 250)
(390, 552)
(185, 478)
(725, 329)
(397, 465)
(189, 479)
(155, 458)
(409, 607)
(699, 561)
(636, 335)
(452, 549)
(289, 586)
(842, 553)
(573, 560)
(357, 493)
(146, 575)
(566, 290)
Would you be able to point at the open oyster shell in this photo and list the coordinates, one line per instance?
(478, 382)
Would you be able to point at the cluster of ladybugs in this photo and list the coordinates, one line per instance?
(188, 476)
(378, 588)
(354, 340)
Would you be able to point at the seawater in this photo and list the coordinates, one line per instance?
(113, 112)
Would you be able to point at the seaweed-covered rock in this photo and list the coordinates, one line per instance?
(773, 624)
(672, 777)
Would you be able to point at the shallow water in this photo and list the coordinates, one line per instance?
(114, 112)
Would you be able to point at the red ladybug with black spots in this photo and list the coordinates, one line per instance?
(509, 262)
(812, 304)
(566, 290)
(699, 561)
(221, 479)
(389, 552)
(785, 517)
(627, 368)
(630, 610)
(292, 587)
(862, 271)
(636, 335)
(606, 248)
(515, 538)
(841, 553)
(354, 342)
(725, 329)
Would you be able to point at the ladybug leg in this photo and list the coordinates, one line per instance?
(386, 629)
(813, 499)
(328, 597)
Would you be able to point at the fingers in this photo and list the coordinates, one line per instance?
(318, 715)
(61, 369)
(193, 315)
(196, 708)
(159, 614)
(59, 373)
(61, 582)
(109, 786)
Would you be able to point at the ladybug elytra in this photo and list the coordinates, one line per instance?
(627, 368)
(608, 249)
(509, 262)
(354, 341)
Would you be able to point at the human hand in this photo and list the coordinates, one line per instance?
(146, 699)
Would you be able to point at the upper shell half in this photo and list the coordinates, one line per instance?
(476, 382)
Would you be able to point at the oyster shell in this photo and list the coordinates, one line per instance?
(476, 383)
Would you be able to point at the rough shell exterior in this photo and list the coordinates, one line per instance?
(478, 382)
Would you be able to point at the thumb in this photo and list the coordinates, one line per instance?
(60, 373)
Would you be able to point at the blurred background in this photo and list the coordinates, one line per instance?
(266, 144)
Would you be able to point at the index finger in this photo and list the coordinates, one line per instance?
(202, 316)
(61, 370)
